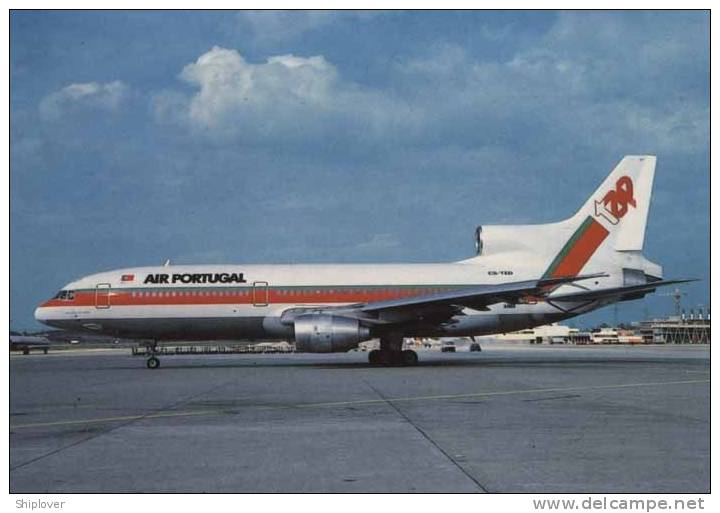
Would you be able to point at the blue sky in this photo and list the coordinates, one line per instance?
(274, 137)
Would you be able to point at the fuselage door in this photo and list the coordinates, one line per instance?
(102, 295)
(260, 293)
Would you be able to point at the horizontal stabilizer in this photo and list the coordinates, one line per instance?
(616, 293)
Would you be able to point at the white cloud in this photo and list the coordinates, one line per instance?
(610, 82)
(602, 78)
(269, 27)
(228, 84)
(287, 96)
(90, 95)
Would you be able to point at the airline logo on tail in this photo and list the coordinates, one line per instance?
(614, 204)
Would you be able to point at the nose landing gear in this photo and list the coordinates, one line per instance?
(153, 362)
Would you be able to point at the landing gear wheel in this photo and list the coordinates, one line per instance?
(153, 363)
(394, 358)
(374, 357)
(409, 358)
(390, 357)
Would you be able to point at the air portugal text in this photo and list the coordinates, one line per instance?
(157, 279)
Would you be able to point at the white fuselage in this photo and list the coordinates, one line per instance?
(246, 301)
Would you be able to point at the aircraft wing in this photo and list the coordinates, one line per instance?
(629, 292)
(441, 306)
(478, 297)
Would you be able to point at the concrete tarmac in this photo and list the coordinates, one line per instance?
(509, 419)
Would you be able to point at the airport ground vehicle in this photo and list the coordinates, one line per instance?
(27, 343)
(521, 276)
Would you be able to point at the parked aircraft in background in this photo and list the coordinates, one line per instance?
(522, 276)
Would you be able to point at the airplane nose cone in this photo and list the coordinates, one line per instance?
(48, 316)
(41, 314)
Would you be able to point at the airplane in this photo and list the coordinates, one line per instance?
(522, 276)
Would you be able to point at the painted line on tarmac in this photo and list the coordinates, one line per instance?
(359, 402)
(499, 393)
(116, 419)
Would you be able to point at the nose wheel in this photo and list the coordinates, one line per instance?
(153, 362)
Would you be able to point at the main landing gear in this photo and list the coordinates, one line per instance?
(153, 362)
(391, 353)
(380, 357)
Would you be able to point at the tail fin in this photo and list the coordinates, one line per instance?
(612, 220)
(621, 203)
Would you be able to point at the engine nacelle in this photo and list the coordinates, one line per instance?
(322, 333)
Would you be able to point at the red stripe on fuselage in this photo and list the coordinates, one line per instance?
(210, 296)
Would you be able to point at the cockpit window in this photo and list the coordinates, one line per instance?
(67, 295)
